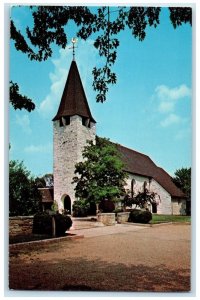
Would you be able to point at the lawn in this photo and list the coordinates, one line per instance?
(169, 218)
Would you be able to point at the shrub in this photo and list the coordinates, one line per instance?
(140, 216)
(80, 208)
(106, 206)
(118, 210)
(42, 223)
(63, 223)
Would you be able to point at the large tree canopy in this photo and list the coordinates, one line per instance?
(104, 23)
(182, 179)
(24, 197)
(100, 175)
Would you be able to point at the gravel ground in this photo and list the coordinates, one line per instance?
(111, 258)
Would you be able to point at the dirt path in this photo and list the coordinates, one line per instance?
(147, 259)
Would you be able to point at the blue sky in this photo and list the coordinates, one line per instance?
(148, 110)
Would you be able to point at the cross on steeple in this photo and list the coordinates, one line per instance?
(74, 41)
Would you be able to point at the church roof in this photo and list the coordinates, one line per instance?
(47, 194)
(141, 164)
(73, 101)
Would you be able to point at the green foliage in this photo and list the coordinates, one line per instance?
(24, 197)
(182, 179)
(140, 216)
(63, 223)
(19, 101)
(44, 181)
(178, 16)
(105, 24)
(54, 206)
(42, 223)
(118, 210)
(80, 208)
(101, 173)
(141, 199)
(106, 206)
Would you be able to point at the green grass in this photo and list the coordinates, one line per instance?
(169, 218)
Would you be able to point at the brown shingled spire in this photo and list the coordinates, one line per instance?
(73, 101)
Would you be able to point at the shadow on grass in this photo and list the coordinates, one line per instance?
(79, 274)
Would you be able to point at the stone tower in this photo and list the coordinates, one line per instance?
(73, 125)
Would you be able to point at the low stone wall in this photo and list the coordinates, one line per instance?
(20, 225)
(122, 217)
(106, 218)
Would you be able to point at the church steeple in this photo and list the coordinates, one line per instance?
(73, 126)
(74, 101)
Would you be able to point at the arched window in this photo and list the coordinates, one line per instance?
(132, 187)
(145, 186)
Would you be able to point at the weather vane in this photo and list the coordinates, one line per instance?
(74, 41)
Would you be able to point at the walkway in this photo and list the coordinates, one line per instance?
(94, 228)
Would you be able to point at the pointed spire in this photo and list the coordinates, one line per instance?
(74, 101)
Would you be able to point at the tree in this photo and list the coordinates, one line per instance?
(182, 179)
(44, 181)
(19, 101)
(24, 197)
(100, 174)
(141, 199)
(105, 23)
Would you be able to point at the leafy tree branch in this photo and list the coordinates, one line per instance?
(104, 24)
(19, 101)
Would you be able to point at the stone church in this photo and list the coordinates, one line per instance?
(73, 125)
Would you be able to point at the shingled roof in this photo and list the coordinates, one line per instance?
(73, 101)
(47, 194)
(141, 164)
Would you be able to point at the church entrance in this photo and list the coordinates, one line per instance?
(67, 204)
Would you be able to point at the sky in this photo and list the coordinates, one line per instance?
(148, 110)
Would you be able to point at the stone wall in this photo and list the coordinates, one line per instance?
(69, 141)
(163, 199)
(20, 225)
(106, 218)
(122, 217)
(179, 206)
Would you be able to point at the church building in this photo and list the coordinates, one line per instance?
(73, 125)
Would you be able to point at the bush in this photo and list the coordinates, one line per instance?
(42, 223)
(140, 216)
(106, 206)
(118, 210)
(80, 208)
(63, 223)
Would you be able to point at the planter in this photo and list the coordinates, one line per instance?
(122, 217)
(106, 218)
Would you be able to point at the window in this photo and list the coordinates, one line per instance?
(64, 121)
(132, 187)
(86, 122)
(154, 208)
(145, 186)
(61, 122)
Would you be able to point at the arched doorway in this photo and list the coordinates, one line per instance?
(67, 204)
